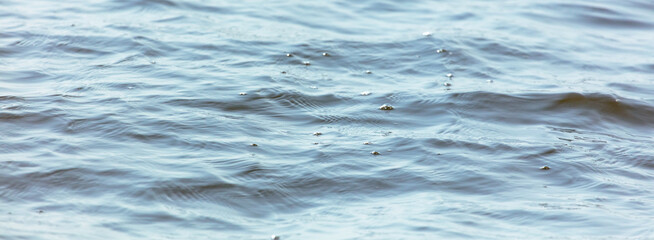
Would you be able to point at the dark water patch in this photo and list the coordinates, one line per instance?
(150, 138)
(10, 99)
(229, 106)
(297, 100)
(200, 7)
(26, 77)
(249, 199)
(609, 107)
(8, 51)
(592, 15)
(448, 145)
(139, 6)
(31, 118)
(79, 50)
(49, 184)
(592, 8)
(644, 5)
(176, 192)
(645, 68)
(172, 19)
(155, 218)
(105, 125)
(591, 110)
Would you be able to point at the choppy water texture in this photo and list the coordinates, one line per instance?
(171, 119)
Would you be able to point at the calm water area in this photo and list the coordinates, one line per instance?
(387, 119)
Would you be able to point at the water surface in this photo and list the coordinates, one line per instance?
(171, 119)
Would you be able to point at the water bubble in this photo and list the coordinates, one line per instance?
(441, 50)
(449, 75)
(325, 54)
(386, 107)
(307, 63)
(242, 93)
(365, 93)
(490, 81)
(426, 34)
(274, 237)
(368, 72)
(447, 84)
(289, 55)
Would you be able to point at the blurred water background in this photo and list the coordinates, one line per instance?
(192, 119)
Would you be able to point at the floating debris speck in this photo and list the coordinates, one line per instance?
(242, 93)
(447, 84)
(426, 34)
(325, 54)
(289, 55)
(441, 50)
(386, 107)
(375, 153)
(274, 237)
(254, 145)
(306, 63)
(317, 133)
(368, 72)
(449, 75)
(365, 93)
(544, 168)
(367, 143)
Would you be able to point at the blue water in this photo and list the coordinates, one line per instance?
(172, 119)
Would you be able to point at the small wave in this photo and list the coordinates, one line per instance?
(589, 110)
(594, 14)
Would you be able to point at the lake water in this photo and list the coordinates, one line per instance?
(192, 119)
